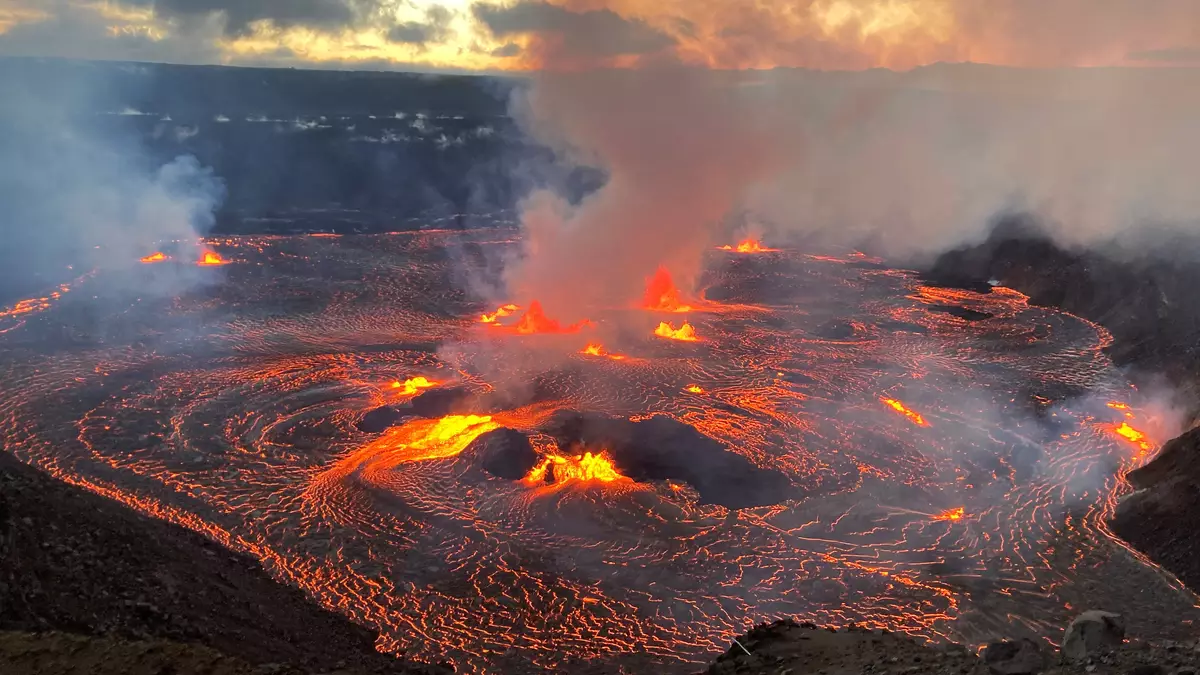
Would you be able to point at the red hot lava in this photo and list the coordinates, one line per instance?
(662, 295)
(157, 256)
(211, 258)
(748, 246)
(535, 321)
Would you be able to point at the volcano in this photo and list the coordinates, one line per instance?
(834, 444)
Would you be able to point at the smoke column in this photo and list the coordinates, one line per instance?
(917, 161)
(77, 188)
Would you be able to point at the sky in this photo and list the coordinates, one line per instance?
(571, 35)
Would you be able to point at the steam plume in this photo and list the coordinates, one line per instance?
(78, 189)
(919, 161)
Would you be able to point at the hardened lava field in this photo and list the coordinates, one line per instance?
(913, 457)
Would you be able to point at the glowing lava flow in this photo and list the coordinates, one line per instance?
(694, 389)
(500, 313)
(583, 468)
(595, 349)
(902, 409)
(210, 258)
(685, 332)
(427, 439)
(157, 256)
(413, 385)
(748, 246)
(661, 294)
(951, 514)
(534, 320)
(1134, 436)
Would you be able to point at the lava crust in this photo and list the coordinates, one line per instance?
(660, 448)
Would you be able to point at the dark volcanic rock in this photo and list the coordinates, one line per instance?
(661, 448)
(1014, 657)
(380, 419)
(1159, 519)
(962, 312)
(504, 453)
(74, 561)
(441, 402)
(1091, 634)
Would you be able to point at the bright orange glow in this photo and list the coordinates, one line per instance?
(157, 256)
(951, 514)
(1134, 436)
(1116, 405)
(429, 439)
(684, 332)
(585, 467)
(413, 385)
(661, 294)
(748, 246)
(902, 409)
(535, 321)
(694, 388)
(595, 349)
(500, 313)
(210, 258)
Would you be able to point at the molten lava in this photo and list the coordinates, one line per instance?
(1134, 436)
(684, 332)
(903, 410)
(210, 258)
(748, 246)
(157, 256)
(535, 321)
(429, 439)
(584, 468)
(694, 388)
(661, 294)
(595, 349)
(951, 514)
(413, 385)
(500, 313)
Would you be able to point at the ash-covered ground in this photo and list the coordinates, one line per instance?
(936, 461)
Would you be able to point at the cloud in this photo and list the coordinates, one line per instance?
(239, 14)
(436, 28)
(86, 32)
(563, 37)
(507, 51)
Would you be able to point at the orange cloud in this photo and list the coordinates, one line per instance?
(901, 34)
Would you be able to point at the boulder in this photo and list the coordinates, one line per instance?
(379, 420)
(1091, 634)
(1014, 657)
(504, 453)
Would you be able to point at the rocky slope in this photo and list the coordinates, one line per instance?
(75, 562)
(1092, 646)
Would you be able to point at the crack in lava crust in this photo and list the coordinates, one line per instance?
(234, 412)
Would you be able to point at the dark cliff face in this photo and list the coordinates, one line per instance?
(1143, 297)
(1159, 518)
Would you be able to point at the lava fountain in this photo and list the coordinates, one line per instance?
(662, 295)
(684, 333)
(748, 246)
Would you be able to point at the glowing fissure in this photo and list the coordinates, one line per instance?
(903, 410)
